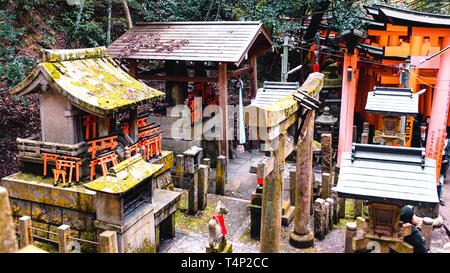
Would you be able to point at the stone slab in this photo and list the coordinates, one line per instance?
(286, 218)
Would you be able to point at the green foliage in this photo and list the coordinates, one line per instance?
(90, 30)
(346, 17)
(176, 10)
(13, 68)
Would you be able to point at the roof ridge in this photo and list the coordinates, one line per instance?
(59, 55)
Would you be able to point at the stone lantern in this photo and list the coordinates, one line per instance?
(325, 123)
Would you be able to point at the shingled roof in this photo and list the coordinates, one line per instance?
(392, 15)
(392, 101)
(219, 41)
(388, 174)
(89, 79)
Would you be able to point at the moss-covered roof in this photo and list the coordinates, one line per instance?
(88, 78)
(124, 176)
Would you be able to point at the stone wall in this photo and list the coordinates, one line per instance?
(50, 207)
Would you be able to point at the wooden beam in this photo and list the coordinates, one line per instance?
(390, 80)
(152, 77)
(176, 78)
(240, 71)
(397, 51)
(373, 32)
(390, 27)
(430, 32)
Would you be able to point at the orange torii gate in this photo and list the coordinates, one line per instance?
(403, 37)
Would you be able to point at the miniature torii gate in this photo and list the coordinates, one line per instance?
(272, 122)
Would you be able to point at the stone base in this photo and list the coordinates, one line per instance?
(431, 212)
(301, 241)
(224, 247)
(287, 217)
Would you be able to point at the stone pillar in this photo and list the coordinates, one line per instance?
(335, 199)
(8, 242)
(221, 175)
(191, 166)
(365, 133)
(326, 224)
(63, 234)
(26, 234)
(271, 202)
(326, 185)
(319, 218)
(108, 242)
(302, 236)
(256, 202)
(179, 166)
(203, 178)
(427, 229)
(327, 153)
(341, 201)
(255, 213)
(207, 162)
(127, 153)
(331, 215)
(350, 233)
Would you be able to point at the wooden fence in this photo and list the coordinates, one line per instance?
(107, 240)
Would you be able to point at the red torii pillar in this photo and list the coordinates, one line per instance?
(347, 105)
(439, 110)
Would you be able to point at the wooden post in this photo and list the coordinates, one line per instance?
(108, 242)
(26, 234)
(271, 202)
(358, 208)
(223, 103)
(102, 127)
(132, 68)
(439, 111)
(63, 234)
(350, 233)
(179, 166)
(254, 76)
(221, 175)
(133, 124)
(347, 105)
(302, 236)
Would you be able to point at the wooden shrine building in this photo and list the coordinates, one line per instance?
(194, 52)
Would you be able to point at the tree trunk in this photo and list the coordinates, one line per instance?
(313, 27)
(127, 13)
(108, 31)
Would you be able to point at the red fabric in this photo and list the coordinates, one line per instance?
(260, 181)
(316, 68)
(219, 218)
